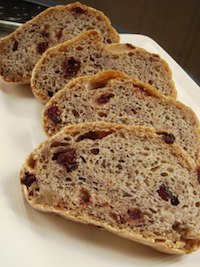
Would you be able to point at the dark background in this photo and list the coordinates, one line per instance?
(174, 24)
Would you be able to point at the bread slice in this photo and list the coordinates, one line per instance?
(20, 50)
(125, 179)
(114, 97)
(87, 54)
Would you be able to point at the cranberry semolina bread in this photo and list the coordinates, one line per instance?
(20, 51)
(125, 179)
(114, 97)
(86, 54)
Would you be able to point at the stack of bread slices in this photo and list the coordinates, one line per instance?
(122, 152)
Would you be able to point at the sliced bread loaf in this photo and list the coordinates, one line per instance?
(87, 54)
(20, 50)
(123, 178)
(114, 97)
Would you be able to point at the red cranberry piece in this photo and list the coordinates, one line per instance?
(104, 98)
(135, 214)
(66, 158)
(169, 138)
(50, 94)
(71, 67)
(53, 113)
(85, 196)
(78, 10)
(28, 179)
(15, 46)
(163, 192)
(42, 47)
(59, 34)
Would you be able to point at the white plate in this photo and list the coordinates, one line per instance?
(34, 239)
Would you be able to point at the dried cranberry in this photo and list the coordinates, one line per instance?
(71, 67)
(104, 98)
(169, 138)
(44, 33)
(163, 192)
(198, 175)
(28, 179)
(166, 195)
(66, 158)
(85, 196)
(59, 34)
(15, 45)
(130, 46)
(53, 113)
(78, 10)
(42, 47)
(135, 214)
(119, 218)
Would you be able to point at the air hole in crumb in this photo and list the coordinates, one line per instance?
(68, 179)
(82, 179)
(83, 159)
(104, 98)
(164, 174)
(50, 94)
(102, 114)
(15, 46)
(28, 179)
(75, 113)
(58, 143)
(94, 135)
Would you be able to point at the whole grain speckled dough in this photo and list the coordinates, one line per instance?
(125, 179)
(20, 51)
(86, 54)
(114, 97)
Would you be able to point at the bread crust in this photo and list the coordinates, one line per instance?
(36, 20)
(186, 161)
(96, 38)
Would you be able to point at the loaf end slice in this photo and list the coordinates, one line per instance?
(20, 51)
(86, 54)
(125, 179)
(115, 97)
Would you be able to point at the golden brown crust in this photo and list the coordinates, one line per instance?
(111, 74)
(35, 20)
